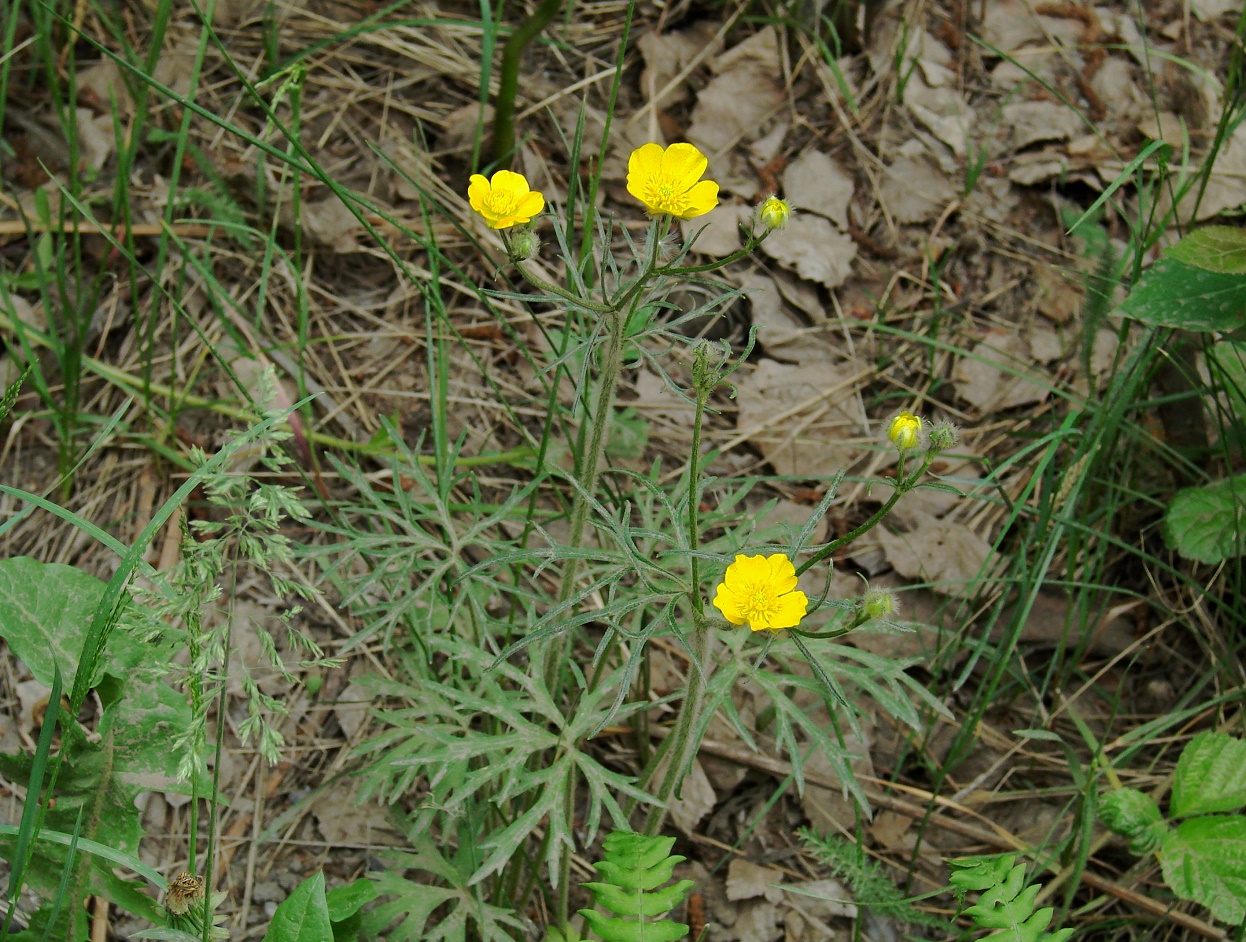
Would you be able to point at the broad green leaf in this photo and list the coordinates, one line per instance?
(1229, 362)
(1206, 523)
(1215, 248)
(345, 901)
(1173, 294)
(1133, 814)
(304, 916)
(1210, 776)
(1204, 859)
(44, 611)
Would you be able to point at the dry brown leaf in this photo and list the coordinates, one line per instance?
(1226, 185)
(737, 101)
(776, 328)
(890, 829)
(668, 54)
(942, 109)
(815, 182)
(1208, 10)
(913, 189)
(329, 224)
(813, 440)
(987, 379)
(746, 880)
(343, 820)
(1058, 296)
(696, 799)
(830, 899)
(787, 518)
(826, 808)
(720, 230)
(944, 553)
(1034, 121)
(814, 249)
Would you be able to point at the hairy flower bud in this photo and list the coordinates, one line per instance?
(774, 213)
(878, 603)
(943, 436)
(524, 245)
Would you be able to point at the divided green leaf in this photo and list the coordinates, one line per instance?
(1204, 859)
(1206, 523)
(1210, 776)
(1214, 248)
(634, 867)
(1173, 294)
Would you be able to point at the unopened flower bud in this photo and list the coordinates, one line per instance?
(878, 603)
(774, 213)
(905, 431)
(943, 436)
(524, 245)
(184, 891)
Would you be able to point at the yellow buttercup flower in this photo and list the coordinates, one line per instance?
(505, 200)
(760, 591)
(905, 431)
(669, 180)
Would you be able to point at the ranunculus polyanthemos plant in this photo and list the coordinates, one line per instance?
(501, 733)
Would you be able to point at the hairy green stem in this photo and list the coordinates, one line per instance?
(902, 486)
(508, 80)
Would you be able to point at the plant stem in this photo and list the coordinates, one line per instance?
(685, 746)
(902, 486)
(508, 80)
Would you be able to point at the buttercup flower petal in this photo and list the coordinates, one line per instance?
(791, 610)
(702, 198)
(759, 591)
(477, 191)
(531, 205)
(684, 164)
(905, 431)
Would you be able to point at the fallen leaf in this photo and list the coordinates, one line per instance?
(914, 190)
(758, 922)
(719, 230)
(776, 328)
(329, 224)
(889, 829)
(696, 799)
(343, 820)
(746, 880)
(942, 109)
(988, 377)
(1208, 10)
(666, 55)
(815, 182)
(824, 899)
(817, 430)
(1226, 184)
(814, 249)
(746, 91)
(1034, 121)
(944, 553)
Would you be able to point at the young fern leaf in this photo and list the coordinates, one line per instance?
(634, 867)
(872, 888)
(1006, 904)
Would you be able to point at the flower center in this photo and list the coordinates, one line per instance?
(759, 601)
(664, 194)
(502, 204)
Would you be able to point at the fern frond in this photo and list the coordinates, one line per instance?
(871, 886)
(634, 868)
(1006, 904)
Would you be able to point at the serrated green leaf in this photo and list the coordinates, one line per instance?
(1210, 776)
(1214, 248)
(304, 916)
(624, 930)
(1204, 859)
(1228, 361)
(1207, 523)
(1130, 813)
(625, 902)
(1173, 294)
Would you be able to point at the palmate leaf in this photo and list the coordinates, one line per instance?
(504, 741)
(405, 915)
